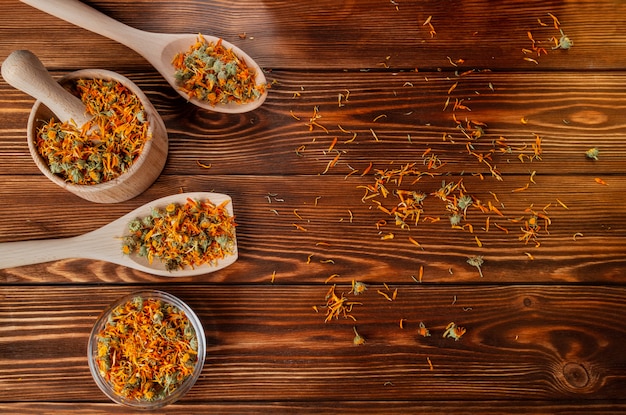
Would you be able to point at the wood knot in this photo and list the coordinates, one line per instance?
(589, 117)
(575, 375)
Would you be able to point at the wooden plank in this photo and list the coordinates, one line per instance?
(351, 407)
(584, 244)
(396, 118)
(353, 35)
(265, 343)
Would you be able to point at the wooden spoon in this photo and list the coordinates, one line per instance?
(24, 71)
(106, 243)
(157, 48)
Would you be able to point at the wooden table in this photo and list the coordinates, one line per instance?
(431, 91)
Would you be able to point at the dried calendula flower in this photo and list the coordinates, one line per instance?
(147, 349)
(196, 233)
(464, 202)
(592, 153)
(422, 330)
(453, 331)
(564, 42)
(85, 155)
(358, 287)
(476, 261)
(455, 219)
(358, 339)
(338, 306)
(210, 72)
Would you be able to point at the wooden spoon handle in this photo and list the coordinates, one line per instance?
(15, 254)
(24, 71)
(82, 15)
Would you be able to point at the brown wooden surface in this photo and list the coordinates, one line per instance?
(544, 335)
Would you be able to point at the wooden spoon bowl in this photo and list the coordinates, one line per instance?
(105, 243)
(142, 173)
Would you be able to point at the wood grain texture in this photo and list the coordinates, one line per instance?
(347, 407)
(571, 112)
(347, 35)
(269, 241)
(544, 323)
(265, 342)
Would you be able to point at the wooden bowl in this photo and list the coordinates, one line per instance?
(142, 173)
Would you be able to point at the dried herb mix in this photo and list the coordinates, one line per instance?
(210, 72)
(85, 155)
(196, 233)
(147, 349)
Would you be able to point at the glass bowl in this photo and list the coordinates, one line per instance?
(146, 377)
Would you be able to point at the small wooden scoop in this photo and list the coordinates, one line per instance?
(106, 243)
(24, 71)
(158, 48)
